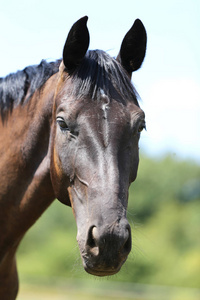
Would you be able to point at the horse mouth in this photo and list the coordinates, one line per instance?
(101, 271)
(100, 268)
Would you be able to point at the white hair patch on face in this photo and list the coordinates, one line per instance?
(105, 103)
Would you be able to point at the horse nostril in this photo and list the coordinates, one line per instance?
(92, 241)
(128, 242)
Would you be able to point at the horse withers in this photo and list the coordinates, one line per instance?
(70, 130)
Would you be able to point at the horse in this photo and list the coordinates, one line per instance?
(69, 130)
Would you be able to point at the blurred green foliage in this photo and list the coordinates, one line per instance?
(164, 206)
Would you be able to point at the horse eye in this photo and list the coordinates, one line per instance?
(141, 127)
(62, 123)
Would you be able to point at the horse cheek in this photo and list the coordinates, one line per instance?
(59, 183)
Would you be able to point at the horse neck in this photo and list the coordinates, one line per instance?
(25, 185)
(24, 143)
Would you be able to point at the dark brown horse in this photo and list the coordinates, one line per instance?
(70, 130)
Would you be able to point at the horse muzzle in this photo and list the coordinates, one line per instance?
(106, 248)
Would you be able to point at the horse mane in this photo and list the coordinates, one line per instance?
(15, 87)
(100, 73)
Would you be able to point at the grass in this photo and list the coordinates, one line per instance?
(61, 289)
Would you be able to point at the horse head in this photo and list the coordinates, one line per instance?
(94, 145)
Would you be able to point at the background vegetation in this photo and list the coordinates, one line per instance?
(164, 205)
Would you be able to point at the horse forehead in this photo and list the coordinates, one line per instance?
(105, 116)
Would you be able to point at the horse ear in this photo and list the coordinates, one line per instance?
(133, 47)
(76, 44)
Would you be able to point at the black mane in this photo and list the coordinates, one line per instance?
(14, 87)
(98, 73)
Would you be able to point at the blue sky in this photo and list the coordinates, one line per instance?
(169, 80)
